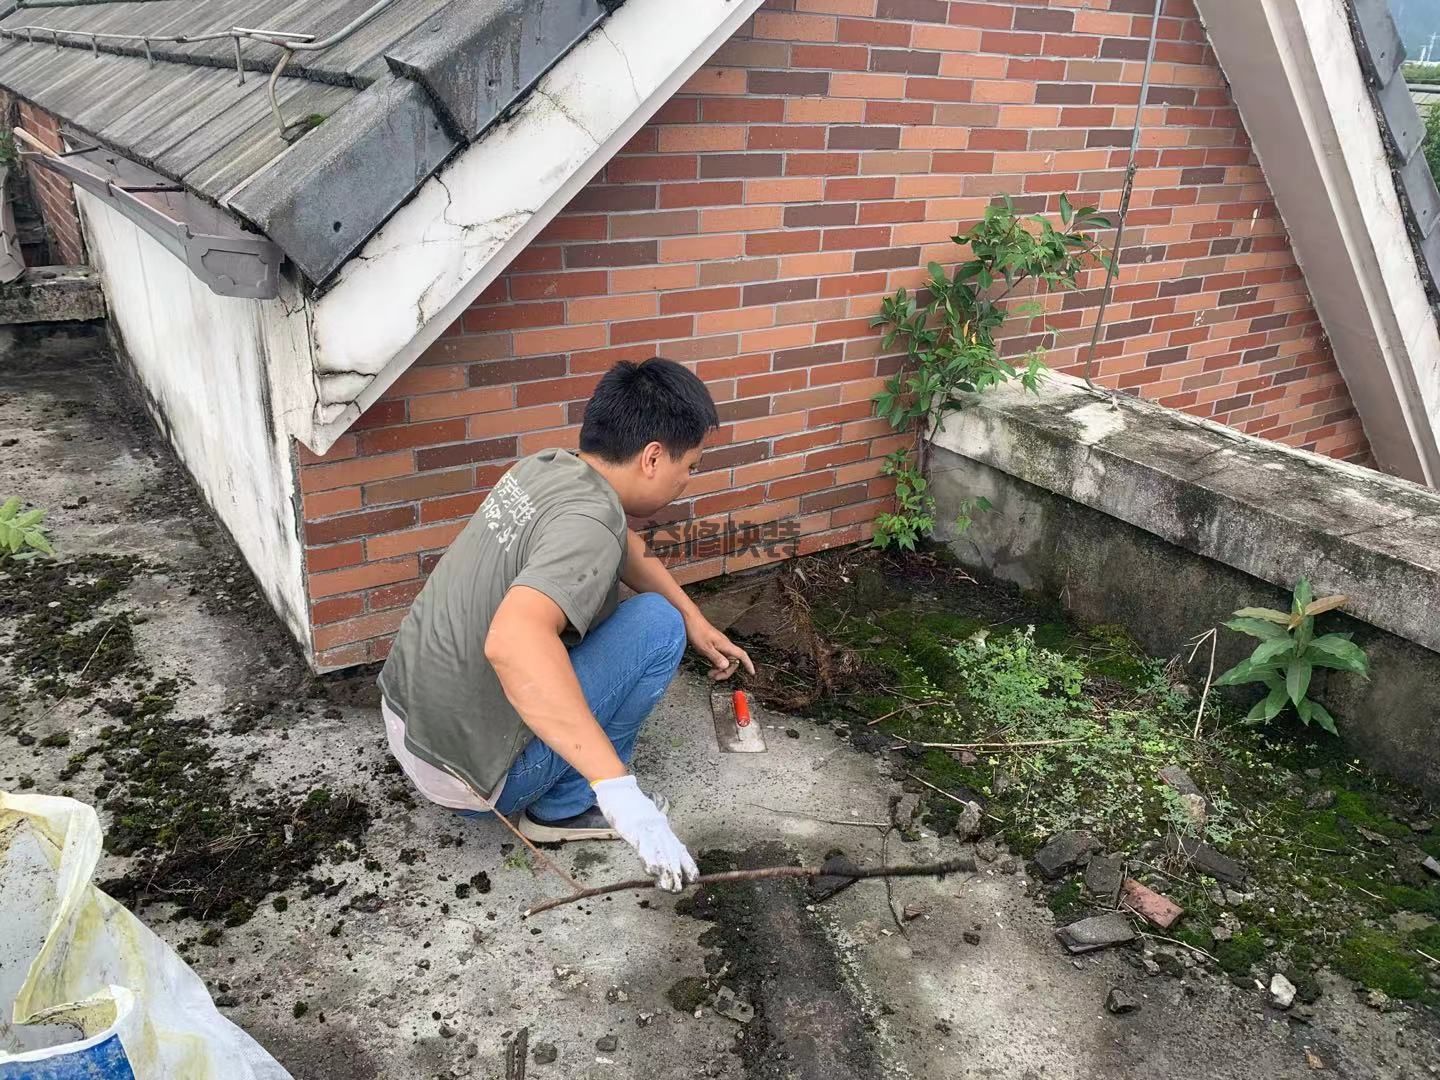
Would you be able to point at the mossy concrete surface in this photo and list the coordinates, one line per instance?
(376, 963)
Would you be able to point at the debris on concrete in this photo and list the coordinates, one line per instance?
(1096, 932)
(1065, 852)
(1118, 1003)
(987, 851)
(823, 888)
(731, 1007)
(688, 994)
(1103, 878)
(971, 937)
(1207, 860)
(517, 1050)
(967, 825)
(607, 1043)
(912, 912)
(544, 1053)
(1282, 991)
(1153, 907)
(904, 812)
(1180, 780)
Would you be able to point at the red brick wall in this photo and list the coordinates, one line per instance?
(54, 194)
(816, 164)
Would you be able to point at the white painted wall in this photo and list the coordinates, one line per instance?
(226, 377)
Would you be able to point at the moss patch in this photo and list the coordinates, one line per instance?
(942, 660)
(172, 804)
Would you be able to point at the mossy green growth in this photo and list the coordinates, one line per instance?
(1380, 961)
(1242, 952)
(1092, 720)
(1067, 901)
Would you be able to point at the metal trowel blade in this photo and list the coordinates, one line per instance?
(730, 736)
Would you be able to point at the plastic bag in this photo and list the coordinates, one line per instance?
(86, 989)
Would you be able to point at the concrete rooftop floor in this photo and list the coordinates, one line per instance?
(407, 990)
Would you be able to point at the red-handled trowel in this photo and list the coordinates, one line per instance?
(736, 731)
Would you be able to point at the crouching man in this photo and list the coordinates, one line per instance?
(516, 682)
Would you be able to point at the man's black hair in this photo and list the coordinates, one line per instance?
(637, 404)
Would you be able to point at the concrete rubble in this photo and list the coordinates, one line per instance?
(1103, 878)
(1096, 932)
(1154, 908)
(1065, 852)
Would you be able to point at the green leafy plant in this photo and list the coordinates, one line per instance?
(949, 330)
(9, 155)
(21, 535)
(914, 515)
(1288, 654)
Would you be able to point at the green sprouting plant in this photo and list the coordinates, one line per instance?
(949, 331)
(914, 515)
(22, 536)
(969, 507)
(1288, 654)
(1018, 684)
(9, 155)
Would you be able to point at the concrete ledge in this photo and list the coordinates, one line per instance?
(1274, 513)
(52, 294)
(1165, 524)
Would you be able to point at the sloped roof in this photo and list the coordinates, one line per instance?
(370, 117)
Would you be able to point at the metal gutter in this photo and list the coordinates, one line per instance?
(229, 260)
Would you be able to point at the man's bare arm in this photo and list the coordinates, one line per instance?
(645, 573)
(533, 665)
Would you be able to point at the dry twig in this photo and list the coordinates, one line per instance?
(857, 873)
(822, 820)
(1205, 696)
(1183, 945)
(915, 705)
(991, 747)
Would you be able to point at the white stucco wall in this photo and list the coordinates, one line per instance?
(224, 382)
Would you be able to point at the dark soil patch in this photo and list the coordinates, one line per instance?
(59, 639)
(773, 953)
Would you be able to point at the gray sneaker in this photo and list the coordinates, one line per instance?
(589, 825)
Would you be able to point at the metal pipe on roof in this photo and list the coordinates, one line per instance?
(287, 41)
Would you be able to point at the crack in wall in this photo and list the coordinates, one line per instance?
(630, 71)
(565, 112)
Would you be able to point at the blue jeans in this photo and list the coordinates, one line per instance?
(624, 666)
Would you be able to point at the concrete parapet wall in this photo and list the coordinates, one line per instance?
(1132, 513)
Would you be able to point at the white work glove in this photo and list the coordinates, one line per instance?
(641, 825)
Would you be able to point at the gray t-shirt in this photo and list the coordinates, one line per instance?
(552, 523)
